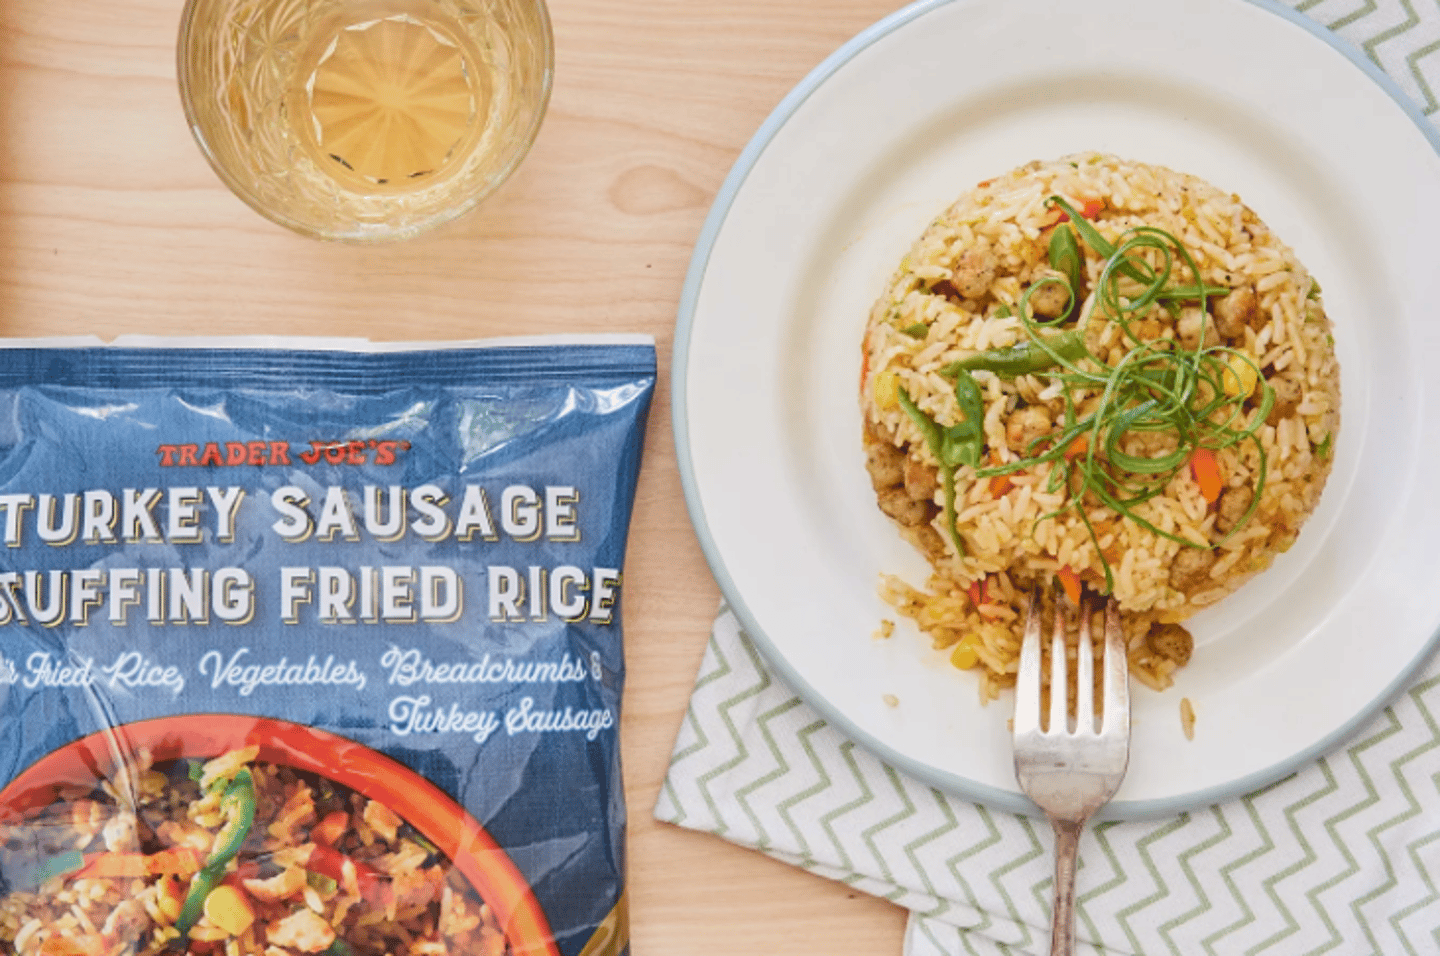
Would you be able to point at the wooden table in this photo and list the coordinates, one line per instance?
(111, 222)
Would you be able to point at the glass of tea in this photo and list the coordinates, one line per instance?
(364, 120)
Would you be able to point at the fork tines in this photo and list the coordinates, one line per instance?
(1030, 680)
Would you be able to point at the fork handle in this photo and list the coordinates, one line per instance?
(1062, 912)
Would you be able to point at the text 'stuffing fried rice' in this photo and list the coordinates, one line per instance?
(298, 638)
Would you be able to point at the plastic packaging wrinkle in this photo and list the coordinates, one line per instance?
(315, 646)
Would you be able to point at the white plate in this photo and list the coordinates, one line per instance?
(845, 175)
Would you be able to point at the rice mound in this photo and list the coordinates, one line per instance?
(1263, 395)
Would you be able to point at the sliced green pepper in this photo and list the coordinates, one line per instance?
(1023, 358)
(200, 886)
(961, 443)
(1065, 254)
(929, 430)
(1092, 237)
(1187, 293)
(934, 440)
(1065, 258)
(238, 805)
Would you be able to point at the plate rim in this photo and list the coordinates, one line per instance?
(735, 603)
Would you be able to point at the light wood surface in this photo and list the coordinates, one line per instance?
(111, 222)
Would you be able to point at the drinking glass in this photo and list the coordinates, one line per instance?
(364, 120)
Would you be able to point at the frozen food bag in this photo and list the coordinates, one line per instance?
(315, 649)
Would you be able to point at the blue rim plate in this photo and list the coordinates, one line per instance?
(844, 175)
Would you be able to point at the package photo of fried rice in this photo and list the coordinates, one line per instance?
(315, 647)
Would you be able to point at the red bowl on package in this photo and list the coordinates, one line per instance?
(420, 803)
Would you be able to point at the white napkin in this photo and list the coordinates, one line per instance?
(1342, 857)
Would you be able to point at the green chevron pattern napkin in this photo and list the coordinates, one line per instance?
(1342, 857)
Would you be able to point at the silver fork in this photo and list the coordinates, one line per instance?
(1071, 773)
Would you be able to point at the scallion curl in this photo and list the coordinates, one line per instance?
(1157, 387)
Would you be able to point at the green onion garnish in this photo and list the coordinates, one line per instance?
(1158, 387)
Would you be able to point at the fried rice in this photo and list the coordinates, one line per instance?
(231, 857)
(1094, 376)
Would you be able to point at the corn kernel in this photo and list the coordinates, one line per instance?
(229, 910)
(1239, 377)
(887, 389)
(964, 656)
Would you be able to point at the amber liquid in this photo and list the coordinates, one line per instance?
(389, 99)
(365, 120)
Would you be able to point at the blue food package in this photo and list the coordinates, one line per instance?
(315, 649)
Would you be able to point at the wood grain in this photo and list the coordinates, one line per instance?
(112, 222)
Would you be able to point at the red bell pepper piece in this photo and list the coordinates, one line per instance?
(332, 863)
